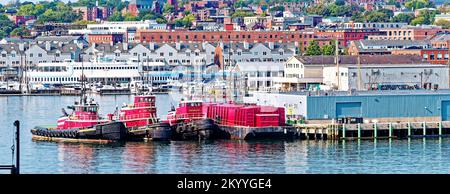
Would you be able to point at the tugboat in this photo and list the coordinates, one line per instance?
(83, 123)
(141, 120)
(189, 123)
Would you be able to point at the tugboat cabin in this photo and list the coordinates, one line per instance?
(141, 113)
(188, 110)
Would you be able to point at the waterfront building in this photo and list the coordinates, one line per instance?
(383, 76)
(372, 106)
(307, 72)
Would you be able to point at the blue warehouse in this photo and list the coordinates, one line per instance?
(414, 105)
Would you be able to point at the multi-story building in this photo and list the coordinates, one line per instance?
(436, 56)
(112, 38)
(408, 33)
(94, 13)
(127, 28)
(304, 72)
(344, 36)
(303, 37)
(260, 76)
(383, 47)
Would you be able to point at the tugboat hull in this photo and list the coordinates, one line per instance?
(197, 129)
(114, 131)
(161, 132)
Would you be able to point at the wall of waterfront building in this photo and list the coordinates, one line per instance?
(393, 107)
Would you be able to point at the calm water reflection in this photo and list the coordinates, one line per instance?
(226, 156)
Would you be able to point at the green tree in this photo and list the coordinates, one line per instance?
(376, 16)
(425, 17)
(6, 26)
(116, 16)
(405, 18)
(27, 9)
(444, 23)
(168, 9)
(418, 4)
(130, 17)
(242, 14)
(276, 8)
(161, 20)
(329, 49)
(22, 31)
(313, 49)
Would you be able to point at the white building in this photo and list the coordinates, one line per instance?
(385, 76)
(260, 75)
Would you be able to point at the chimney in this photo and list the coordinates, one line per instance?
(152, 46)
(246, 46)
(21, 46)
(271, 46)
(203, 45)
(47, 46)
(125, 46)
(178, 46)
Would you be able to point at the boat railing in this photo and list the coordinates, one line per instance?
(189, 116)
(86, 117)
(138, 116)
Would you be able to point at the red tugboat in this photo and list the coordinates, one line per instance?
(83, 123)
(188, 122)
(141, 120)
(228, 120)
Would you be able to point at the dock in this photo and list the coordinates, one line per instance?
(396, 130)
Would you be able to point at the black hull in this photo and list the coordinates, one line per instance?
(115, 131)
(161, 132)
(199, 129)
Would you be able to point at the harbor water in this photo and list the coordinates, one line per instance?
(224, 156)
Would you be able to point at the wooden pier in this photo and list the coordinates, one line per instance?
(397, 130)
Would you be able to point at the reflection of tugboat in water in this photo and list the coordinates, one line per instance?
(188, 122)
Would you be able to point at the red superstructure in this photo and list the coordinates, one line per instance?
(141, 113)
(228, 114)
(84, 115)
(187, 111)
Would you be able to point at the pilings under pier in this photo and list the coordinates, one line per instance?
(397, 130)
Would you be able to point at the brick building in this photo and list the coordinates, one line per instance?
(346, 35)
(94, 13)
(408, 33)
(225, 36)
(105, 38)
(436, 56)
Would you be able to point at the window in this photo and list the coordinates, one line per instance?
(31, 54)
(170, 54)
(40, 55)
(161, 54)
(425, 56)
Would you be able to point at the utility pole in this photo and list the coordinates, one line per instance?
(17, 167)
(336, 50)
(359, 71)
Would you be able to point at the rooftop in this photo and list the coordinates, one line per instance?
(364, 59)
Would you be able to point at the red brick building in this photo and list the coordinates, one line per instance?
(346, 35)
(106, 38)
(436, 56)
(136, 6)
(225, 36)
(93, 13)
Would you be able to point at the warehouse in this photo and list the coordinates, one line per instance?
(381, 106)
